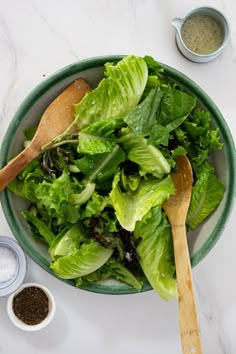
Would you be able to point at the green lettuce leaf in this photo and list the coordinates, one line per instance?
(142, 118)
(133, 205)
(104, 127)
(25, 184)
(206, 195)
(91, 144)
(198, 137)
(175, 104)
(95, 205)
(130, 182)
(41, 227)
(55, 196)
(159, 135)
(99, 137)
(97, 276)
(153, 66)
(155, 250)
(148, 157)
(112, 268)
(101, 167)
(78, 199)
(86, 260)
(121, 273)
(68, 242)
(116, 95)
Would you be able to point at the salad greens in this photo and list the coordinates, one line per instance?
(96, 195)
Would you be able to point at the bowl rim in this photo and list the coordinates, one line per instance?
(99, 61)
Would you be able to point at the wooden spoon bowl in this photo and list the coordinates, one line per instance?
(57, 118)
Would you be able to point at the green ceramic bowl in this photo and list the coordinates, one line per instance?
(201, 241)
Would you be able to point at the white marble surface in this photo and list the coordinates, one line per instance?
(38, 37)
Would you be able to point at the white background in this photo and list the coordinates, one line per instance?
(38, 37)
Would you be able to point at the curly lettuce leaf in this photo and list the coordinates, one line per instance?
(25, 184)
(116, 95)
(199, 138)
(62, 196)
(95, 205)
(155, 251)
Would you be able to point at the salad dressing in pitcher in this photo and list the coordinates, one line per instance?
(202, 34)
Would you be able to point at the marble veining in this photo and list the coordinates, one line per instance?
(65, 42)
(9, 74)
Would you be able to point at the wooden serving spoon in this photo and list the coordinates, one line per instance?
(56, 119)
(176, 208)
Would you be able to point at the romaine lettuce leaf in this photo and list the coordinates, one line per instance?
(133, 205)
(69, 242)
(112, 268)
(104, 127)
(148, 157)
(116, 95)
(130, 182)
(89, 257)
(78, 199)
(155, 251)
(99, 137)
(94, 144)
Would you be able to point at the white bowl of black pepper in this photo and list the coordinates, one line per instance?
(31, 307)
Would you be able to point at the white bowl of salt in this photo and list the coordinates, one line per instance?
(12, 266)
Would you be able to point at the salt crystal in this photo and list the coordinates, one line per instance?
(7, 264)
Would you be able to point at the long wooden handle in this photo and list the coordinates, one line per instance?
(16, 165)
(189, 326)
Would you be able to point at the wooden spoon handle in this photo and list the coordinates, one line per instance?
(16, 165)
(189, 326)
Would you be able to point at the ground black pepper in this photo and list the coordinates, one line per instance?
(31, 305)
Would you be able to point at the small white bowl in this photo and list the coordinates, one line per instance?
(20, 324)
(9, 286)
